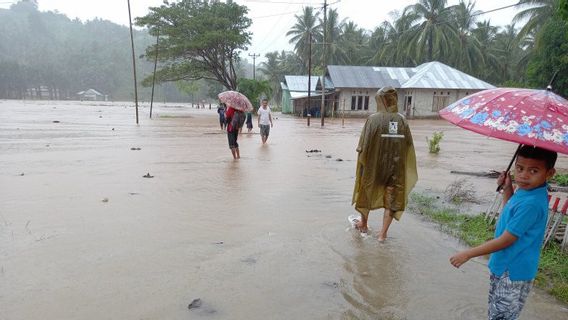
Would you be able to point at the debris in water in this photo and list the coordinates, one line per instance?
(147, 175)
(55, 121)
(328, 156)
(196, 303)
(313, 151)
(135, 148)
(249, 260)
(105, 200)
(21, 174)
(331, 284)
(338, 159)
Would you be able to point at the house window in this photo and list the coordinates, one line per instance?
(439, 102)
(359, 102)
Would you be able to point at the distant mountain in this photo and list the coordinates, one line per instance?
(47, 55)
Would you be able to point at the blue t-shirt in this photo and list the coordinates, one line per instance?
(524, 216)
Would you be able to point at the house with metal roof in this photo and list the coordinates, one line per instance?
(91, 94)
(422, 90)
(295, 93)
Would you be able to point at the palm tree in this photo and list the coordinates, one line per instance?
(433, 35)
(469, 57)
(485, 35)
(290, 63)
(271, 69)
(509, 53)
(353, 42)
(388, 42)
(536, 12)
(335, 54)
(306, 23)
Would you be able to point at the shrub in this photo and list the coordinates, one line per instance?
(561, 179)
(434, 143)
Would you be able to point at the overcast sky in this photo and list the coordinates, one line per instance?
(271, 18)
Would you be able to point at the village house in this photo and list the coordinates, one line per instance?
(350, 90)
(92, 95)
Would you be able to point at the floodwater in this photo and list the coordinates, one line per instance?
(84, 236)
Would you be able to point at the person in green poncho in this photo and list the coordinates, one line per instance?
(386, 163)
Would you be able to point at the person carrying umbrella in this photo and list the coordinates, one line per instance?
(237, 104)
(235, 119)
(519, 233)
(536, 119)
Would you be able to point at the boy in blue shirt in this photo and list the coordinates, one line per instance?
(515, 250)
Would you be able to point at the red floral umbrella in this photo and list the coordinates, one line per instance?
(525, 116)
(236, 100)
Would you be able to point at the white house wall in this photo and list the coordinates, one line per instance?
(345, 95)
(420, 107)
(423, 100)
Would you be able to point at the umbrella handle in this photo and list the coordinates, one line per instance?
(510, 164)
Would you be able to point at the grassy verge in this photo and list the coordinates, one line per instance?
(474, 230)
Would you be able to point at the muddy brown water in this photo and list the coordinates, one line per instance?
(84, 236)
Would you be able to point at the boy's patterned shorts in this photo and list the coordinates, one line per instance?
(507, 298)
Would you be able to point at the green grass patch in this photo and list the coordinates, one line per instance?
(475, 230)
(560, 179)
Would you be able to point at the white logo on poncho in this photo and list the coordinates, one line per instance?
(393, 127)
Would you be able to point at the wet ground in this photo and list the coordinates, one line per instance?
(83, 235)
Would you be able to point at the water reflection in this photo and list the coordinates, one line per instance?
(375, 288)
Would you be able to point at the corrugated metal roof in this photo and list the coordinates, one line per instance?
(400, 74)
(431, 75)
(298, 95)
(360, 77)
(436, 75)
(300, 83)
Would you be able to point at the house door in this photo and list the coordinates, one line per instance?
(407, 105)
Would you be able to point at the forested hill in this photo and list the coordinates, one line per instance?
(48, 52)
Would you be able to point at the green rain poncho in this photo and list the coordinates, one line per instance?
(386, 164)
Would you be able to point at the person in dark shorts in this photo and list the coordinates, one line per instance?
(249, 121)
(232, 118)
(264, 120)
(221, 112)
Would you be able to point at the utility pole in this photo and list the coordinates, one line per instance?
(308, 115)
(154, 75)
(254, 56)
(133, 62)
(322, 111)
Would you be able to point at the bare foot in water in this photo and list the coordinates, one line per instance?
(362, 227)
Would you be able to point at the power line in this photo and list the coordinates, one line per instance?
(279, 2)
(496, 9)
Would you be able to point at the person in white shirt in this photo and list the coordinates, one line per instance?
(264, 120)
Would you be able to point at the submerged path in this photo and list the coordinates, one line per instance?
(83, 235)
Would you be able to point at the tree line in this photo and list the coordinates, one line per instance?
(198, 44)
(525, 53)
(48, 54)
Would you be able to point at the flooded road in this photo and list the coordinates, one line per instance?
(84, 236)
